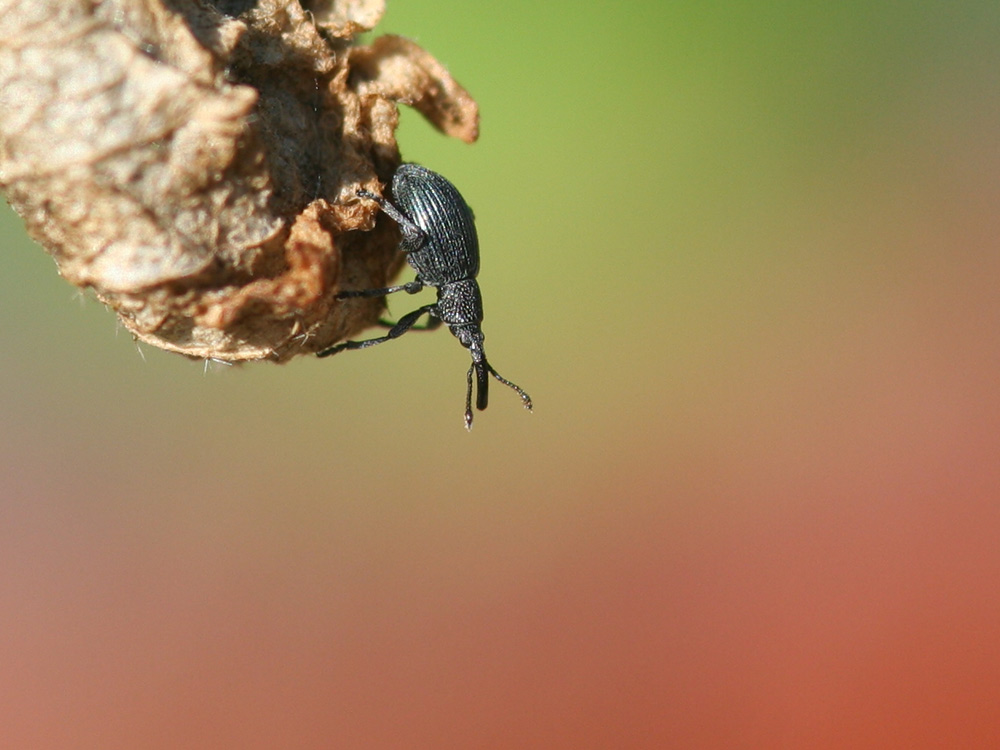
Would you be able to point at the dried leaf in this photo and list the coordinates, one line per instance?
(397, 69)
(345, 18)
(196, 163)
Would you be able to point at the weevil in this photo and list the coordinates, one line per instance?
(440, 242)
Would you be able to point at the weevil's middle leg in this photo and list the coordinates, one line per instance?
(410, 287)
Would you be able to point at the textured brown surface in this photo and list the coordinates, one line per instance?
(195, 163)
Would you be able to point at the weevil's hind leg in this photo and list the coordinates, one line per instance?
(432, 324)
(405, 324)
(525, 398)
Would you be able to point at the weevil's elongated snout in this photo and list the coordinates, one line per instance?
(483, 370)
(479, 367)
(471, 337)
(482, 384)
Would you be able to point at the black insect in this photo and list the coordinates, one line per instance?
(440, 242)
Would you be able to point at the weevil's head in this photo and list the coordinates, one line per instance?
(471, 337)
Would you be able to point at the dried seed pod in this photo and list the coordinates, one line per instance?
(195, 163)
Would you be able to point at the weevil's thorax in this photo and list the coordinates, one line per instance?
(450, 251)
(460, 303)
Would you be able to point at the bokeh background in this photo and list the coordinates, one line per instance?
(744, 256)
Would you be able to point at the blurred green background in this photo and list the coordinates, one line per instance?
(744, 258)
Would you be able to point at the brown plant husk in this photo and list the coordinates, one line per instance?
(195, 163)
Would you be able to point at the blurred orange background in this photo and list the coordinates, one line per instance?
(746, 263)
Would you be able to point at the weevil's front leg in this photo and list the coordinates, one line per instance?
(413, 236)
(405, 324)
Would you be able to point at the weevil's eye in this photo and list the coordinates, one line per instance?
(468, 336)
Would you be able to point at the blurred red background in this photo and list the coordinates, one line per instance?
(753, 290)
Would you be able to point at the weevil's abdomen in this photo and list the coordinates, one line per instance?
(451, 249)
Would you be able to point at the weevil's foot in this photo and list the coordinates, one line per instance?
(331, 351)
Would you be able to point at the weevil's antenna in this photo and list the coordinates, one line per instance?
(525, 398)
(468, 398)
(483, 370)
